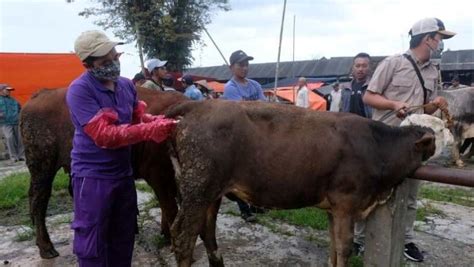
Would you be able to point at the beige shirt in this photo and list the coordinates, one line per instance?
(151, 85)
(396, 79)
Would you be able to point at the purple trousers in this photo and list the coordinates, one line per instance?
(105, 221)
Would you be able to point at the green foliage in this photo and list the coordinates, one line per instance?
(312, 217)
(167, 29)
(458, 196)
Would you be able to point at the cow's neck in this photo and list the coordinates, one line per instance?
(399, 159)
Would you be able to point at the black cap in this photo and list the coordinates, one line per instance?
(239, 56)
(187, 79)
(138, 76)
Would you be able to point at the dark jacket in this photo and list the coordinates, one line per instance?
(9, 110)
(347, 94)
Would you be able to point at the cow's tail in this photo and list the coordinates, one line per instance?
(182, 109)
(177, 112)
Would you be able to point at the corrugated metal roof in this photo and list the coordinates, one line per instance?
(457, 60)
(332, 67)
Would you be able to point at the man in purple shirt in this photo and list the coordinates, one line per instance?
(107, 118)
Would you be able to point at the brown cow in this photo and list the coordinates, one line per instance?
(47, 133)
(260, 152)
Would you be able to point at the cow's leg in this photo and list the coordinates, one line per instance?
(456, 155)
(343, 233)
(186, 227)
(333, 254)
(208, 235)
(165, 191)
(39, 194)
(169, 209)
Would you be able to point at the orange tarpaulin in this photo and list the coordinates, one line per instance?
(315, 101)
(28, 72)
(216, 86)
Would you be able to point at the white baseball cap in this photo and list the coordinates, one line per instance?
(153, 63)
(93, 43)
(430, 25)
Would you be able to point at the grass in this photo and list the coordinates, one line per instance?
(24, 234)
(356, 261)
(14, 206)
(143, 186)
(460, 196)
(311, 217)
(428, 210)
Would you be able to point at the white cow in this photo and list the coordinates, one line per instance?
(442, 134)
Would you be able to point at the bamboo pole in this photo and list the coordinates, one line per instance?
(212, 40)
(279, 48)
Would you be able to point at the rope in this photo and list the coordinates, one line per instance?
(408, 110)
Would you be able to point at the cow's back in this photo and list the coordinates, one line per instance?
(46, 128)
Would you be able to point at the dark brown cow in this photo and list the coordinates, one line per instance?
(47, 133)
(264, 154)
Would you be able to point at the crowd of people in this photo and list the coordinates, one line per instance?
(108, 118)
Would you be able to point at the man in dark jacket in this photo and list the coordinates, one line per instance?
(9, 114)
(353, 91)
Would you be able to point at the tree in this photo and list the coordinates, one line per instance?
(166, 29)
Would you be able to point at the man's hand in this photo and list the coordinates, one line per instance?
(440, 102)
(400, 107)
(162, 128)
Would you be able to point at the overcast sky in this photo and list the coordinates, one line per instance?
(326, 28)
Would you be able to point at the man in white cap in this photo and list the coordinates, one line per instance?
(9, 116)
(107, 118)
(401, 82)
(157, 70)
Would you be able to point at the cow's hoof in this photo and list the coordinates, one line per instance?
(49, 253)
(216, 260)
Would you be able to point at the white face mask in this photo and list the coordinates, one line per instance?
(436, 53)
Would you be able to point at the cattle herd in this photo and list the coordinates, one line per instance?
(255, 151)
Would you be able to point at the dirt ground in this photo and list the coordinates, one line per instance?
(446, 240)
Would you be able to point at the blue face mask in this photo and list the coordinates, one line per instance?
(109, 72)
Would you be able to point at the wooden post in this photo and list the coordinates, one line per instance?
(385, 231)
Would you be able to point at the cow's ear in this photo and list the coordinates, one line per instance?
(426, 145)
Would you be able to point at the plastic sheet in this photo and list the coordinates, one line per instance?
(106, 134)
(139, 114)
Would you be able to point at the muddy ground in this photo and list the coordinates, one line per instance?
(447, 240)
